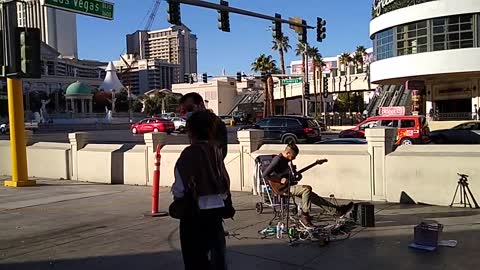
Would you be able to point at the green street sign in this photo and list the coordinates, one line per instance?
(95, 8)
(291, 81)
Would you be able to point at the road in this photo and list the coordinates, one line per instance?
(119, 136)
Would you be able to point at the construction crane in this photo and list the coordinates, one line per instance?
(153, 14)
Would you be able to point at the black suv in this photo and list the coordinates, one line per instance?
(289, 129)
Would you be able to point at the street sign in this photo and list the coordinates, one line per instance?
(291, 81)
(95, 8)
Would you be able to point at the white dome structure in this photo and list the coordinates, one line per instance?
(111, 82)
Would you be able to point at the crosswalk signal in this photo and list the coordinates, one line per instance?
(302, 36)
(29, 60)
(307, 91)
(239, 76)
(173, 10)
(325, 84)
(204, 77)
(321, 29)
(224, 18)
(277, 27)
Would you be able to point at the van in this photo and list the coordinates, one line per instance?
(411, 129)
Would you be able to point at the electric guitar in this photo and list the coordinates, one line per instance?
(281, 188)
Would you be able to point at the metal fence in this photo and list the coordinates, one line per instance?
(342, 119)
(454, 116)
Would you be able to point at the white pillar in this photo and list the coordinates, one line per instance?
(380, 143)
(78, 141)
(83, 105)
(250, 141)
(90, 106)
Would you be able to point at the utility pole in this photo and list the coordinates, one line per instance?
(10, 69)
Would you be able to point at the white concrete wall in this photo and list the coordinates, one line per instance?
(5, 160)
(49, 160)
(101, 163)
(346, 174)
(135, 167)
(428, 174)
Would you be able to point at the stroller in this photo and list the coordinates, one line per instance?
(279, 203)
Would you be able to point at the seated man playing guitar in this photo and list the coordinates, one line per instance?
(281, 174)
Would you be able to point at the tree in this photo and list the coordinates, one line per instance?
(345, 60)
(318, 63)
(267, 65)
(299, 51)
(359, 57)
(281, 45)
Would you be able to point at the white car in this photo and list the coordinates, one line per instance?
(179, 123)
(4, 128)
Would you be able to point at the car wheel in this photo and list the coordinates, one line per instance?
(2, 131)
(289, 139)
(155, 130)
(134, 130)
(259, 208)
(181, 129)
(406, 141)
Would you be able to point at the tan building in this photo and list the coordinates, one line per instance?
(220, 95)
(145, 74)
(176, 45)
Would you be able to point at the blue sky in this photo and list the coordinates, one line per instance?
(347, 27)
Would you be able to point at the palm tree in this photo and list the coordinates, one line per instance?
(345, 60)
(359, 57)
(281, 45)
(267, 65)
(299, 51)
(313, 53)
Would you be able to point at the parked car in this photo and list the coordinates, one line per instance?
(343, 141)
(153, 125)
(321, 124)
(4, 128)
(466, 133)
(288, 129)
(411, 129)
(227, 119)
(179, 123)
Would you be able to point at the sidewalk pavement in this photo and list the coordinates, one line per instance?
(71, 225)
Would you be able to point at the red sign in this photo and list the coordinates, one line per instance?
(397, 111)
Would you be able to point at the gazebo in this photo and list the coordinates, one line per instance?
(79, 98)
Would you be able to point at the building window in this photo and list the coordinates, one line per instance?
(384, 44)
(412, 38)
(454, 32)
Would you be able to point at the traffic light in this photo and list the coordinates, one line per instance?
(224, 18)
(302, 36)
(204, 77)
(277, 28)
(29, 52)
(186, 78)
(239, 76)
(325, 84)
(307, 91)
(321, 29)
(173, 10)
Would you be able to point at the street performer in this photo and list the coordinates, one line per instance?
(281, 172)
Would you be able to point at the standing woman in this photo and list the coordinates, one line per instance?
(202, 196)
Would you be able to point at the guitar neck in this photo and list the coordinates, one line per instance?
(308, 167)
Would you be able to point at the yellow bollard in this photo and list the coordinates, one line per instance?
(18, 147)
(232, 123)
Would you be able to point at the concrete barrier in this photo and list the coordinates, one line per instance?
(5, 159)
(49, 160)
(135, 167)
(428, 174)
(101, 163)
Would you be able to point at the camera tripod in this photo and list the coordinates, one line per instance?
(464, 192)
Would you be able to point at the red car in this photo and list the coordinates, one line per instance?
(153, 125)
(411, 129)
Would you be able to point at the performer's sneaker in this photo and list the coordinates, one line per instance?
(305, 220)
(343, 210)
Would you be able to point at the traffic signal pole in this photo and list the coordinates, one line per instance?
(18, 148)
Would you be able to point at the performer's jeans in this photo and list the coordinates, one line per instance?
(308, 197)
(203, 244)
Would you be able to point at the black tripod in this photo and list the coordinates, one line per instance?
(464, 192)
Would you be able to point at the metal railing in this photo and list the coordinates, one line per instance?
(454, 116)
